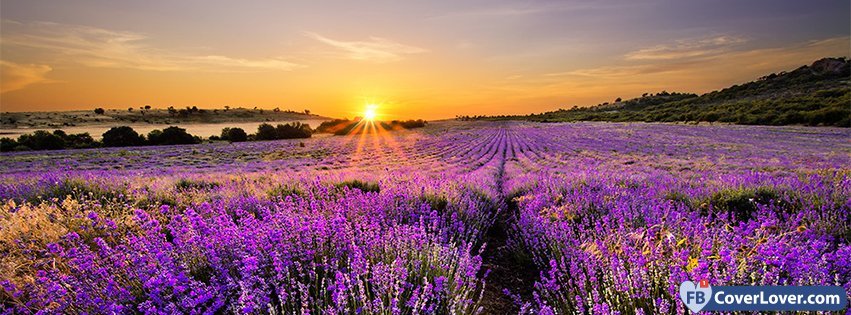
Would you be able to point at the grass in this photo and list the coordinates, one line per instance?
(190, 184)
(364, 186)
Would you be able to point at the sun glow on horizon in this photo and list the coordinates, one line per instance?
(370, 112)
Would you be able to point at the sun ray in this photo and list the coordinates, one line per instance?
(373, 142)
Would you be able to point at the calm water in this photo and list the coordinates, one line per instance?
(203, 130)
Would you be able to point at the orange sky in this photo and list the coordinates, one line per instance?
(431, 61)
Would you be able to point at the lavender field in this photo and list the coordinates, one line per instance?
(454, 218)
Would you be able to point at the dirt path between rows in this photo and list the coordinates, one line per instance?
(509, 270)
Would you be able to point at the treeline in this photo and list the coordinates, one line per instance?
(43, 140)
(814, 95)
(295, 130)
(125, 136)
(188, 111)
(114, 137)
(345, 126)
(192, 110)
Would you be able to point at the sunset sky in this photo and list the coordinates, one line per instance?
(416, 59)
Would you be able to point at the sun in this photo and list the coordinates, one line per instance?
(369, 113)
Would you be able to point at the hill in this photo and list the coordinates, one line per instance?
(815, 95)
(143, 115)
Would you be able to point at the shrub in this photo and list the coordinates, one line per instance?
(79, 141)
(190, 184)
(171, 136)
(741, 204)
(436, 202)
(411, 124)
(362, 185)
(266, 132)
(234, 135)
(285, 190)
(42, 140)
(333, 126)
(123, 136)
(7, 144)
(294, 130)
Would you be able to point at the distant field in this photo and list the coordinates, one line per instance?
(452, 218)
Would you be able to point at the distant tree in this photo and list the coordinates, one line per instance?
(7, 144)
(335, 126)
(75, 141)
(147, 107)
(123, 136)
(42, 140)
(172, 111)
(227, 108)
(293, 130)
(170, 136)
(307, 112)
(99, 111)
(154, 136)
(130, 109)
(266, 132)
(618, 100)
(80, 141)
(234, 135)
(277, 109)
(411, 124)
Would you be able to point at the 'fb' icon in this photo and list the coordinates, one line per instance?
(695, 296)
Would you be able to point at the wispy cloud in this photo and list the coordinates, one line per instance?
(498, 12)
(529, 9)
(687, 48)
(695, 65)
(376, 49)
(14, 76)
(98, 47)
(632, 77)
(620, 71)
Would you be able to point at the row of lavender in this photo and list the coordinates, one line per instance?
(616, 216)
(337, 225)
